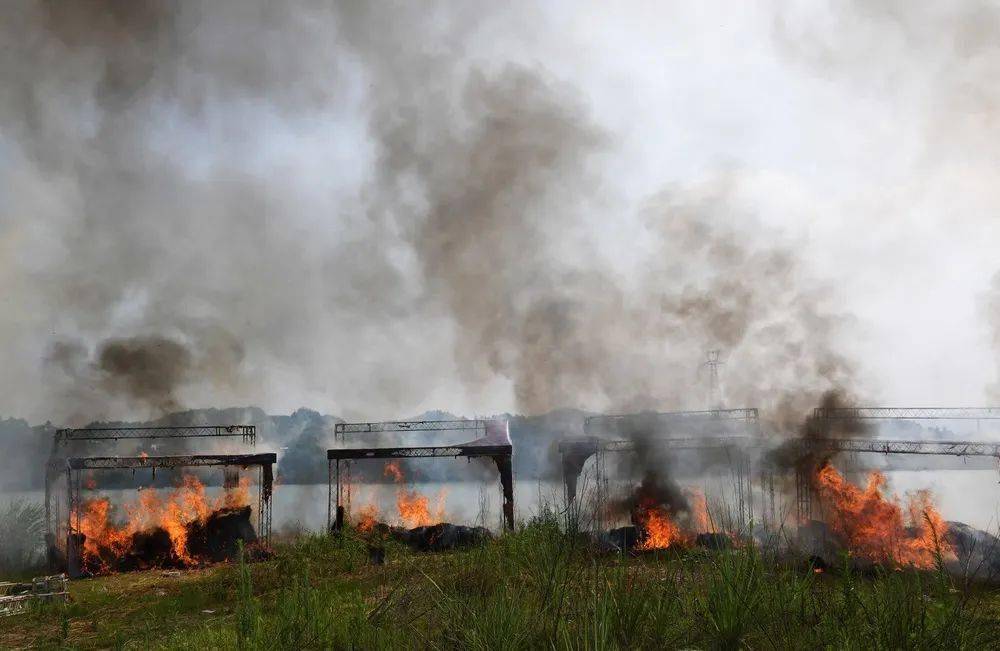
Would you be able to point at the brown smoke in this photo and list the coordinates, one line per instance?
(147, 371)
(495, 175)
(145, 368)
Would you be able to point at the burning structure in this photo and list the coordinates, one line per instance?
(835, 513)
(493, 442)
(182, 528)
(830, 512)
(721, 437)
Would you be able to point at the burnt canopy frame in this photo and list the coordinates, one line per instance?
(56, 464)
(742, 420)
(500, 453)
(729, 428)
(824, 417)
(575, 452)
(340, 429)
(248, 432)
(907, 413)
(75, 466)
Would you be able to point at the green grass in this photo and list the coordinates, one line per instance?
(535, 588)
(22, 527)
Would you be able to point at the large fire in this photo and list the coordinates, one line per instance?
(661, 529)
(413, 508)
(174, 513)
(878, 529)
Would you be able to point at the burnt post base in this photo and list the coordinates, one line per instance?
(507, 483)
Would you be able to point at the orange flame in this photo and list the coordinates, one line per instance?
(367, 517)
(184, 505)
(700, 520)
(393, 470)
(658, 526)
(873, 527)
(414, 508)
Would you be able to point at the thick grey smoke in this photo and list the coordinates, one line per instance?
(465, 245)
(129, 135)
(143, 370)
(495, 176)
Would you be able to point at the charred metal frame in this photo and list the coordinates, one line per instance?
(744, 419)
(732, 429)
(341, 458)
(57, 464)
(575, 452)
(248, 432)
(907, 413)
(824, 417)
(340, 429)
(75, 466)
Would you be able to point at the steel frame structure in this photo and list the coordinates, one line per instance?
(907, 413)
(824, 417)
(499, 450)
(248, 432)
(341, 429)
(75, 466)
(725, 429)
(575, 452)
(745, 419)
(56, 465)
(736, 427)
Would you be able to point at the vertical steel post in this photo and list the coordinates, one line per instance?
(339, 522)
(73, 532)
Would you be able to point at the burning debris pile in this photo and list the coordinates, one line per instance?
(182, 529)
(421, 527)
(664, 516)
(881, 530)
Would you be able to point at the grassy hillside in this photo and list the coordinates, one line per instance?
(537, 588)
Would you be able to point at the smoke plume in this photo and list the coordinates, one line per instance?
(454, 238)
